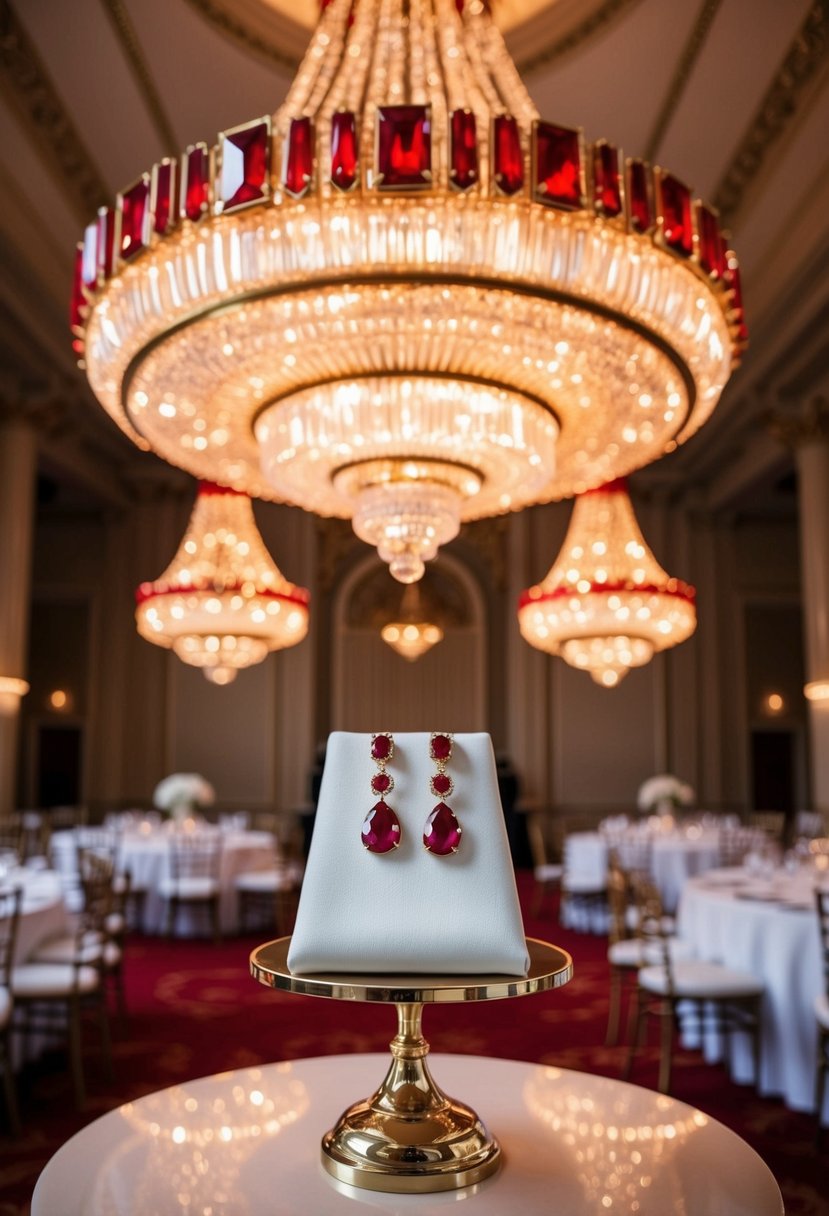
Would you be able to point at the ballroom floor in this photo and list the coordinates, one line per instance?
(194, 1011)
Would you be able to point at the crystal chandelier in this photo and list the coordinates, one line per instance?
(412, 634)
(222, 604)
(606, 605)
(405, 299)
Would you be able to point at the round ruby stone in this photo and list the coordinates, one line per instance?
(381, 783)
(381, 829)
(381, 747)
(441, 747)
(441, 785)
(443, 832)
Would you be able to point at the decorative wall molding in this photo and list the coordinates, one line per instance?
(778, 110)
(28, 88)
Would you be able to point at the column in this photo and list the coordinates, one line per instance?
(808, 433)
(18, 462)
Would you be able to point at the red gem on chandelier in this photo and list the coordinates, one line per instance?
(404, 147)
(675, 212)
(77, 302)
(381, 747)
(442, 785)
(607, 188)
(640, 208)
(442, 834)
(343, 149)
(106, 240)
(245, 163)
(134, 215)
(441, 747)
(163, 196)
(381, 783)
(711, 253)
(463, 156)
(557, 157)
(298, 165)
(508, 157)
(381, 829)
(194, 185)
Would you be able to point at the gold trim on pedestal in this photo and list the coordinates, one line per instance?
(409, 1137)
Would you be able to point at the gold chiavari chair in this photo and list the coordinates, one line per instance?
(193, 878)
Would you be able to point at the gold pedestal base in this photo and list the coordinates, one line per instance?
(409, 1137)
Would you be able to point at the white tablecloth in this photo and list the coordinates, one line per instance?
(43, 913)
(770, 929)
(675, 857)
(146, 855)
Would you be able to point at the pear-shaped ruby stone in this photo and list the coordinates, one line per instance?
(443, 832)
(381, 829)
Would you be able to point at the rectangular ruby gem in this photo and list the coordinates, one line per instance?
(675, 214)
(195, 182)
(463, 150)
(607, 185)
(507, 154)
(245, 165)
(404, 147)
(106, 240)
(162, 196)
(640, 207)
(710, 243)
(558, 165)
(135, 217)
(77, 301)
(344, 158)
(298, 158)
(89, 260)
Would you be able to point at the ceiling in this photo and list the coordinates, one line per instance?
(732, 95)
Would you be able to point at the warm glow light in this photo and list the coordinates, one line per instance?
(774, 702)
(13, 686)
(817, 690)
(348, 319)
(59, 699)
(596, 609)
(222, 604)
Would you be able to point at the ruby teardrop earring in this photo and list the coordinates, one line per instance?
(442, 833)
(381, 827)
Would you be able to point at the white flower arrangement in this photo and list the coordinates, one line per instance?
(664, 792)
(183, 790)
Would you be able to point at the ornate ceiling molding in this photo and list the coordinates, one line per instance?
(128, 38)
(536, 32)
(690, 54)
(285, 55)
(778, 110)
(28, 88)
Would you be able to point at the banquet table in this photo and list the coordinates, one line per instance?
(43, 912)
(144, 851)
(768, 927)
(249, 1142)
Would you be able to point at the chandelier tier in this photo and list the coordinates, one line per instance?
(606, 605)
(222, 604)
(405, 299)
(412, 634)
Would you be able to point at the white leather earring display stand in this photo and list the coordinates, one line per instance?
(408, 910)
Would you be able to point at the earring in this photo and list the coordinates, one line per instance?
(381, 827)
(442, 833)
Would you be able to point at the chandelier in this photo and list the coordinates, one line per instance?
(412, 634)
(606, 605)
(222, 604)
(405, 299)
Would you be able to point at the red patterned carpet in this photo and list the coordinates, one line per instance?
(194, 1010)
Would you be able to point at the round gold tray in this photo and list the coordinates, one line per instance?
(409, 1136)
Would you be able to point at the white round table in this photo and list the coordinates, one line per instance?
(43, 913)
(769, 928)
(247, 1143)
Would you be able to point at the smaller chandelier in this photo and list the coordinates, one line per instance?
(606, 605)
(222, 604)
(412, 635)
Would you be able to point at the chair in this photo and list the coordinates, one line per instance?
(735, 841)
(822, 1007)
(9, 916)
(269, 897)
(730, 1000)
(547, 874)
(66, 975)
(772, 823)
(809, 823)
(11, 839)
(583, 896)
(193, 878)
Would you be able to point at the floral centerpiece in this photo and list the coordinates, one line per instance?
(664, 794)
(183, 795)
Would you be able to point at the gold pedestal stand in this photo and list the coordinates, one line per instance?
(409, 1136)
